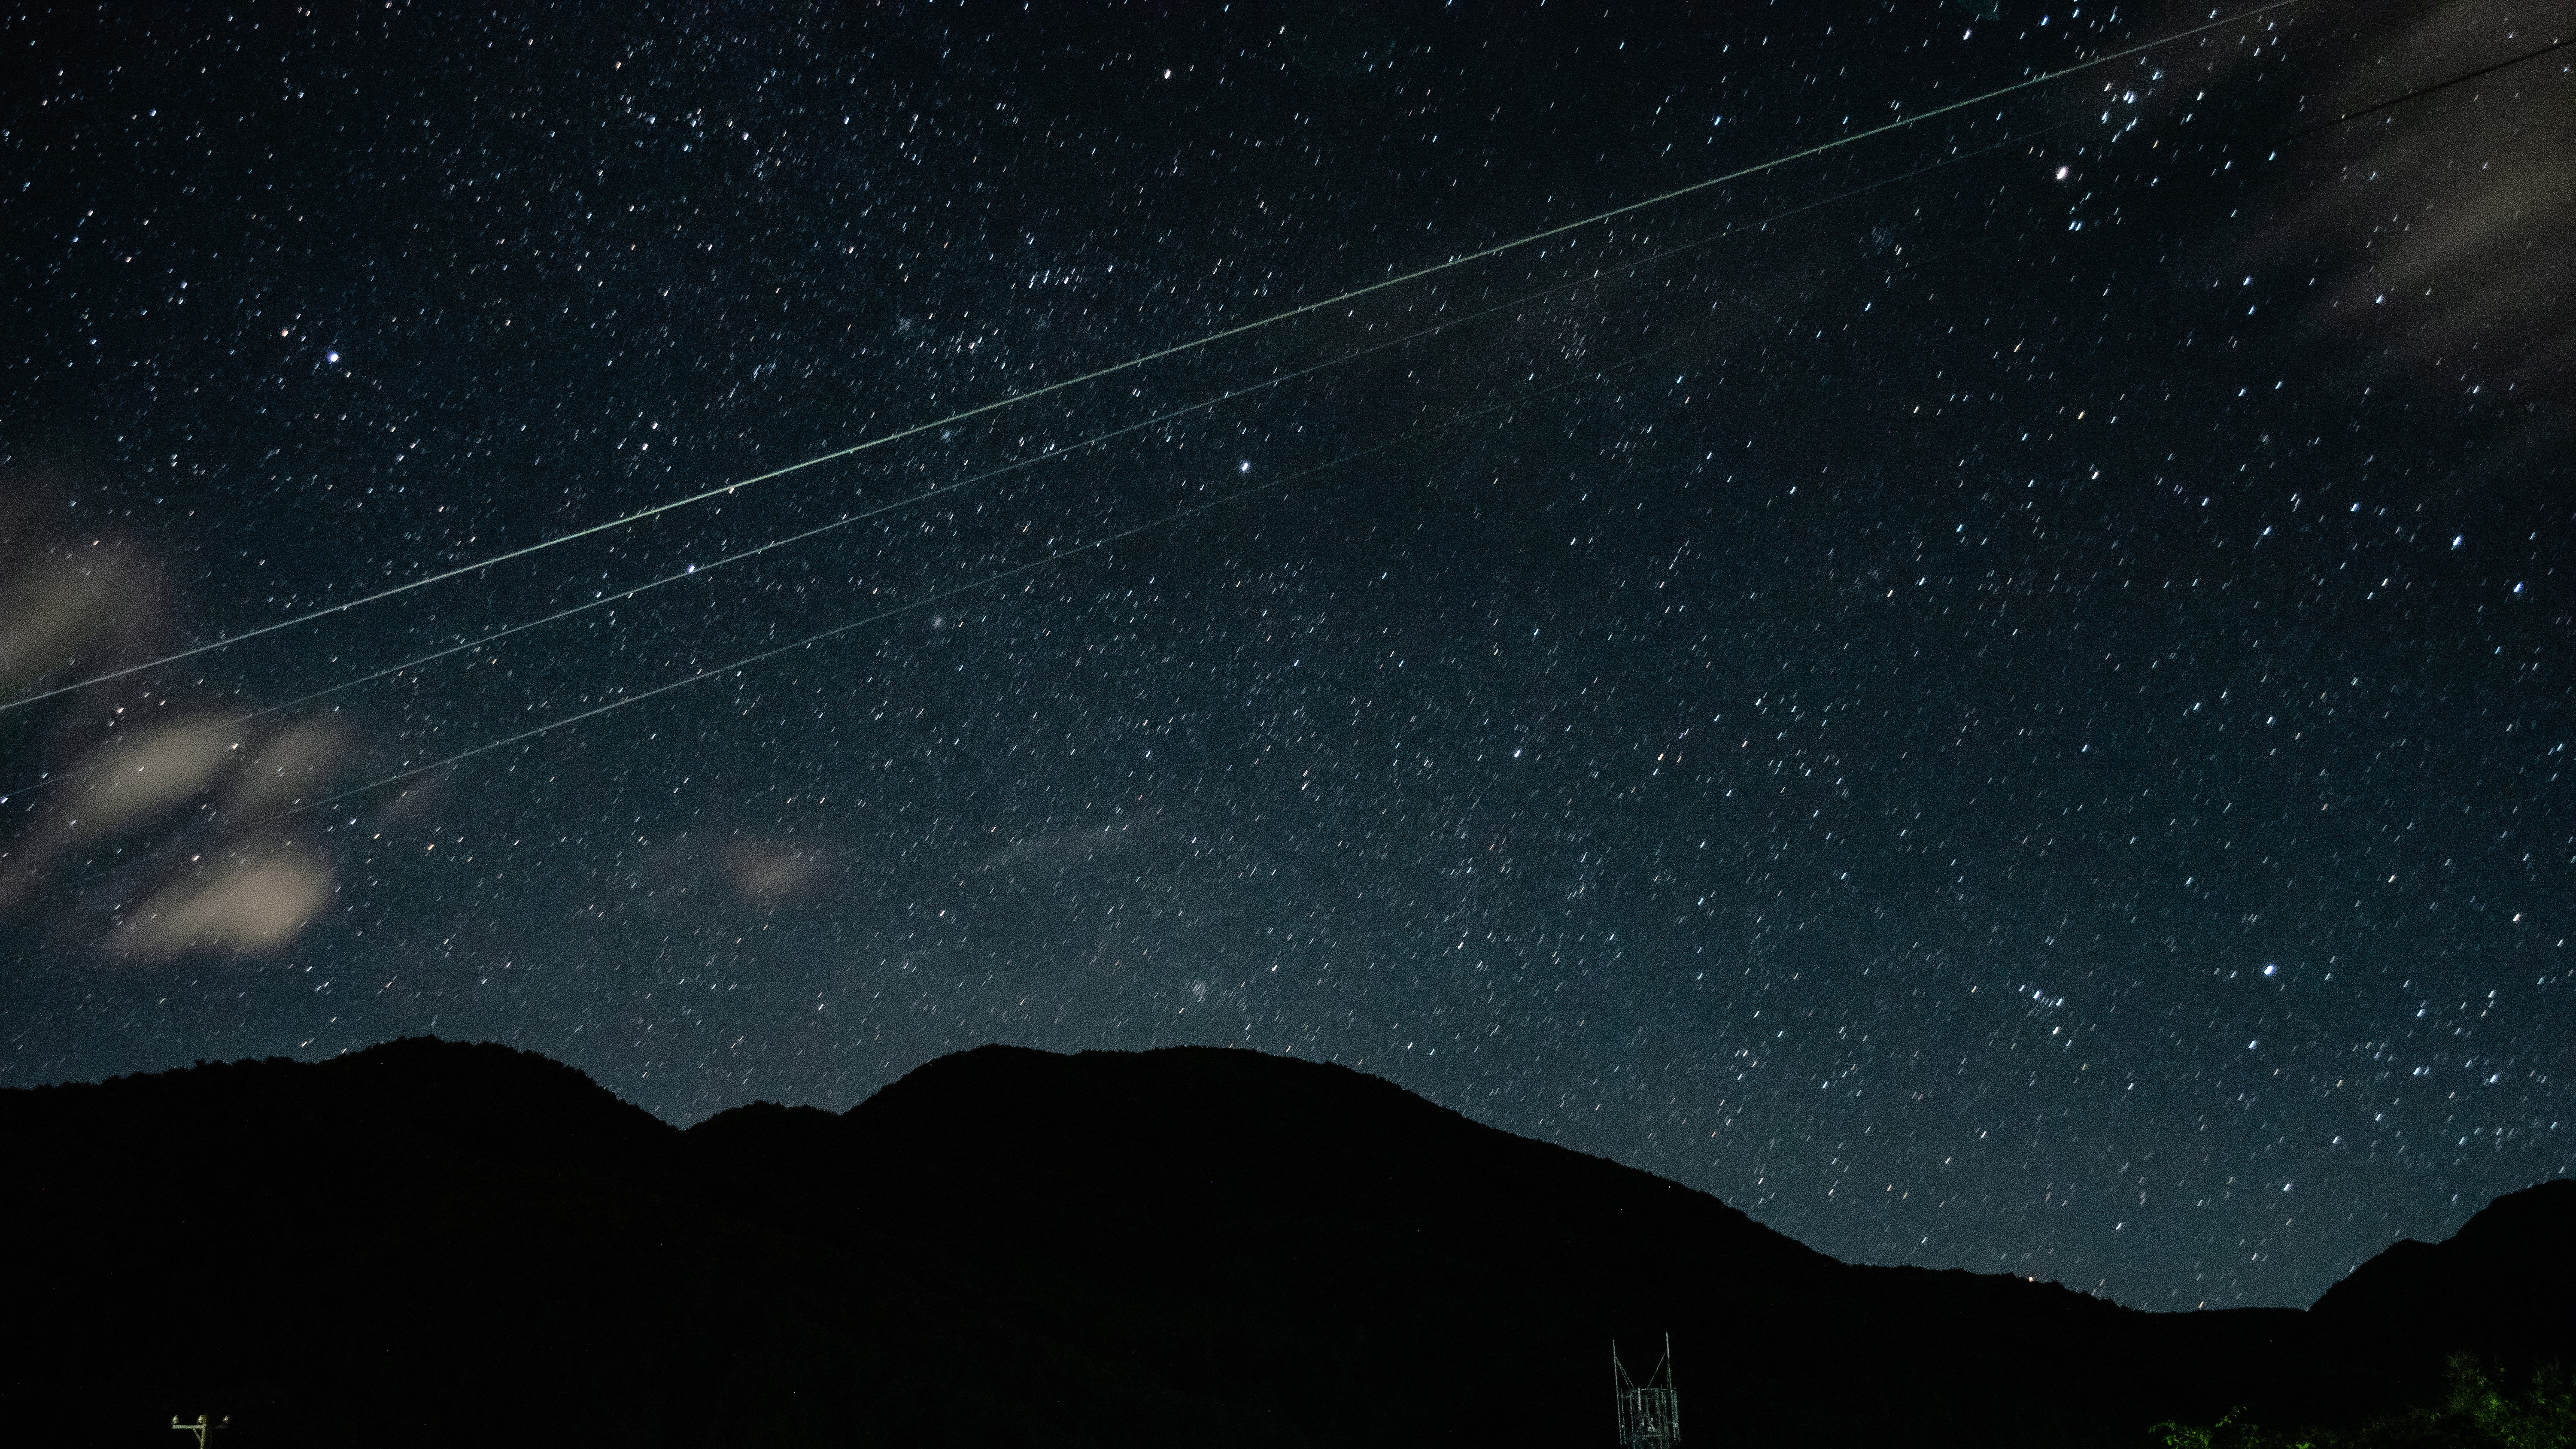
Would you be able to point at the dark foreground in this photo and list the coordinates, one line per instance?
(438, 1244)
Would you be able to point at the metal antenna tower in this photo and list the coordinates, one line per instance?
(201, 1428)
(1650, 1414)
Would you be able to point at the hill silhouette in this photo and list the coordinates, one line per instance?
(431, 1243)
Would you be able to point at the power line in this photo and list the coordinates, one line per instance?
(988, 581)
(702, 570)
(2394, 101)
(1159, 354)
(810, 640)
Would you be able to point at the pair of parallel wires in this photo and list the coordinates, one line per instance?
(1239, 330)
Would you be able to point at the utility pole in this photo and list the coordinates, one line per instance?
(1650, 1414)
(201, 1428)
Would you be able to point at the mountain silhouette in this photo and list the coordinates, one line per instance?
(2503, 1286)
(430, 1243)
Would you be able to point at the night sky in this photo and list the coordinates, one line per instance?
(1995, 694)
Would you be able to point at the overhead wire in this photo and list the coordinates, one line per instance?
(1267, 485)
(1234, 394)
(987, 581)
(703, 570)
(937, 596)
(1156, 355)
(2422, 91)
(1272, 484)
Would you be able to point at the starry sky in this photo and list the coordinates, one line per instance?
(1993, 691)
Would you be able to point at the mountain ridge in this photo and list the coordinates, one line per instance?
(1148, 1247)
